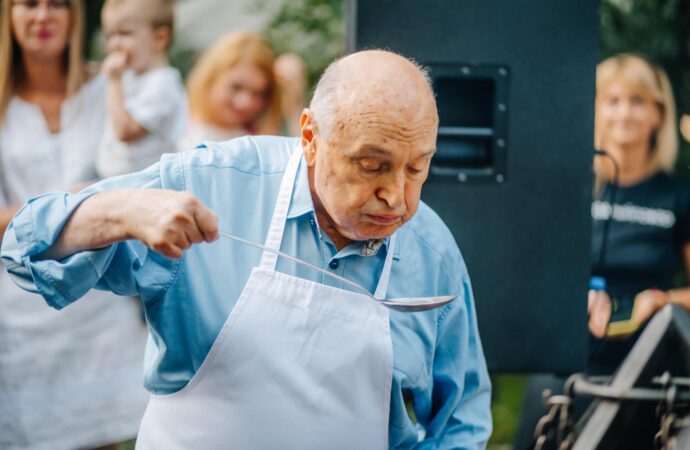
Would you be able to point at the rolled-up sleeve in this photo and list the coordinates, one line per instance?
(119, 267)
(461, 398)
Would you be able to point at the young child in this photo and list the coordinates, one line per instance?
(146, 100)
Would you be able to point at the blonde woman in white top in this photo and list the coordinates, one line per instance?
(71, 379)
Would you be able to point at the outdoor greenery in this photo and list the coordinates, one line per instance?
(314, 29)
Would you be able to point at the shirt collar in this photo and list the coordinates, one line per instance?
(302, 204)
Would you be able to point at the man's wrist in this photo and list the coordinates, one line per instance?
(114, 206)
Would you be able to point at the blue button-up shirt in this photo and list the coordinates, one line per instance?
(439, 365)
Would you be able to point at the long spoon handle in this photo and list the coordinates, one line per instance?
(299, 261)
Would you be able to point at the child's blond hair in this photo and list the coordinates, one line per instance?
(159, 13)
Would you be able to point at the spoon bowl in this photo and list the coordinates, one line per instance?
(414, 304)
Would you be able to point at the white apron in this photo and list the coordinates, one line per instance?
(297, 365)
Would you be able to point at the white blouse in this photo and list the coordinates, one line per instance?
(34, 160)
(71, 378)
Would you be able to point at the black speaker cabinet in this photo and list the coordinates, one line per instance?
(512, 175)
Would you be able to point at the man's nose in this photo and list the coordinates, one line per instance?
(392, 191)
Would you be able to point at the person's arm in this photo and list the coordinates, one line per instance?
(681, 296)
(649, 301)
(7, 213)
(61, 245)
(126, 128)
(167, 222)
(599, 311)
(461, 418)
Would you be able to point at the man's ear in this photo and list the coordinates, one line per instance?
(308, 134)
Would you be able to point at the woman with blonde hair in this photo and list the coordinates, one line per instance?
(73, 379)
(641, 211)
(238, 87)
(640, 225)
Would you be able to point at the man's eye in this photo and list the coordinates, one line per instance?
(370, 165)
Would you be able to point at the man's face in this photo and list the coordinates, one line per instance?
(366, 175)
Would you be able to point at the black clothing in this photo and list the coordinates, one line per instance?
(648, 229)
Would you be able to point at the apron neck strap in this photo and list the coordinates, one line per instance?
(275, 231)
(382, 286)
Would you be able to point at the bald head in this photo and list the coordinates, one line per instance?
(372, 81)
(368, 139)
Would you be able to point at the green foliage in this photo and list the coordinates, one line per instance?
(92, 26)
(647, 27)
(508, 391)
(129, 445)
(314, 29)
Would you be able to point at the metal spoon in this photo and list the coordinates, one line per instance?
(407, 304)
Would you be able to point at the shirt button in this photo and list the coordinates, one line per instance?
(312, 222)
(333, 264)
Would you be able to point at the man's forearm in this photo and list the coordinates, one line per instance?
(96, 223)
(166, 221)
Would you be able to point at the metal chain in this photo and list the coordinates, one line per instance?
(555, 430)
(557, 425)
(674, 411)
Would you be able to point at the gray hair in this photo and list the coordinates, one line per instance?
(323, 103)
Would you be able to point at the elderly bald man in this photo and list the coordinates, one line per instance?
(250, 351)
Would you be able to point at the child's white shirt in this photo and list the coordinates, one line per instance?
(157, 101)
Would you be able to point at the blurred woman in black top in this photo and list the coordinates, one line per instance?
(641, 243)
(648, 236)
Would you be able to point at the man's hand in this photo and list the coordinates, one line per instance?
(166, 221)
(599, 309)
(114, 65)
(169, 222)
(647, 303)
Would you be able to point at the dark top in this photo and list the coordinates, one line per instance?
(649, 227)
